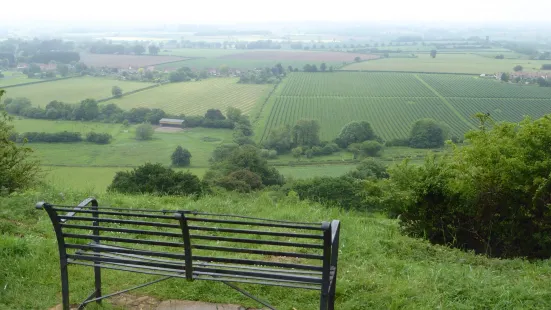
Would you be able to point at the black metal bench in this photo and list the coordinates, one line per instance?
(195, 246)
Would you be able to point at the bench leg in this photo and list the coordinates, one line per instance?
(64, 286)
(97, 282)
(331, 299)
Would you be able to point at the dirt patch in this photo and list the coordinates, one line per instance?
(133, 302)
(169, 129)
(302, 56)
(125, 61)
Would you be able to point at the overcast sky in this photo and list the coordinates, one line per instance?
(217, 11)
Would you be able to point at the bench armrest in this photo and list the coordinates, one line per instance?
(82, 204)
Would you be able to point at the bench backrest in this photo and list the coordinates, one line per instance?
(198, 245)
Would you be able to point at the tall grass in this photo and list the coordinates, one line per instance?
(379, 267)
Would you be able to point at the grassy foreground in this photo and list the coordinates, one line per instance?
(379, 268)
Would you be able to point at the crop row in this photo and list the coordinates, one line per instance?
(390, 117)
(476, 87)
(345, 84)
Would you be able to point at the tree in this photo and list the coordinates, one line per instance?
(369, 169)
(144, 131)
(116, 91)
(371, 148)
(427, 133)
(323, 67)
(17, 170)
(153, 50)
(214, 114)
(138, 49)
(306, 133)
(433, 53)
(233, 114)
(63, 69)
(279, 139)
(518, 68)
(224, 70)
(156, 179)
(505, 77)
(297, 152)
(355, 132)
(181, 157)
(357, 59)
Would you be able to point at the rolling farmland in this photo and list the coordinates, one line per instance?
(391, 102)
(195, 98)
(71, 90)
(456, 63)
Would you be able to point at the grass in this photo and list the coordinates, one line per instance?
(392, 101)
(378, 267)
(71, 90)
(124, 150)
(457, 63)
(14, 78)
(195, 98)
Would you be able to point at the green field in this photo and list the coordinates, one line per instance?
(391, 102)
(71, 90)
(124, 150)
(13, 78)
(195, 98)
(201, 52)
(457, 63)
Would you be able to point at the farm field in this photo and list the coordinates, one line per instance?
(200, 52)
(71, 90)
(195, 98)
(391, 102)
(124, 61)
(13, 78)
(447, 63)
(247, 60)
(97, 179)
(124, 150)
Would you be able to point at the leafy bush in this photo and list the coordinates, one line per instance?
(55, 137)
(427, 133)
(369, 169)
(243, 181)
(181, 157)
(98, 138)
(355, 132)
(492, 195)
(17, 170)
(342, 191)
(144, 132)
(156, 179)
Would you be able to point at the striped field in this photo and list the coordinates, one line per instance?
(195, 98)
(391, 102)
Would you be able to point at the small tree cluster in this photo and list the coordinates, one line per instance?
(181, 157)
(144, 132)
(156, 179)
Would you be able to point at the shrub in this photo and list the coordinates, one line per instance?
(341, 191)
(491, 196)
(355, 132)
(46, 137)
(98, 138)
(243, 181)
(369, 169)
(144, 132)
(156, 179)
(181, 157)
(17, 170)
(116, 91)
(427, 133)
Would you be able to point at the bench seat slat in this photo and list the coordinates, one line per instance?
(125, 240)
(118, 221)
(264, 224)
(256, 241)
(178, 275)
(124, 230)
(99, 258)
(101, 212)
(255, 262)
(256, 232)
(253, 251)
(109, 249)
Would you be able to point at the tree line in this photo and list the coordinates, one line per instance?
(60, 137)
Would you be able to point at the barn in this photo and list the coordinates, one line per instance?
(171, 122)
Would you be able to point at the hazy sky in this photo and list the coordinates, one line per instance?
(214, 11)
